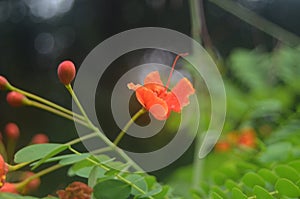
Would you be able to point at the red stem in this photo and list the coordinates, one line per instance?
(173, 66)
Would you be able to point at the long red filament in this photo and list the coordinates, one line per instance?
(173, 66)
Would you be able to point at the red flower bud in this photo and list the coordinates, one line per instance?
(39, 139)
(3, 171)
(75, 190)
(12, 131)
(16, 99)
(66, 72)
(3, 83)
(222, 146)
(9, 188)
(32, 185)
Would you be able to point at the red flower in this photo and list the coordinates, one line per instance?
(66, 72)
(247, 138)
(3, 171)
(156, 98)
(12, 131)
(76, 190)
(222, 146)
(9, 188)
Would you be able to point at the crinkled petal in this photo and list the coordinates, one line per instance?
(153, 78)
(182, 91)
(172, 102)
(155, 105)
(158, 89)
(133, 86)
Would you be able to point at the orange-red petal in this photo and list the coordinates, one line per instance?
(133, 86)
(172, 101)
(153, 78)
(182, 91)
(155, 105)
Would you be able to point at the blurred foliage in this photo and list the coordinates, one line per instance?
(263, 93)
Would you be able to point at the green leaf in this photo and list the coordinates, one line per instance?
(34, 152)
(139, 181)
(219, 191)
(230, 184)
(247, 67)
(117, 165)
(251, 179)
(230, 171)
(276, 152)
(112, 189)
(153, 192)
(95, 173)
(214, 195)
(261, 193)
(268, 175)
(288, 172)
(74, 159)
(219, 178)
(287, 188)
(246, 166)
(150, 180)
(50, 154)
(83, 168)
(112, 172)
(57, 158)
(295, 164)
(164, 192)
(238, 194)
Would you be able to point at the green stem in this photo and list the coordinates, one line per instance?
(271, 193)
(55, 111)
(17, 166)
(257, 21)
(197, 164)
(117, 175)
(196, 26)
(3, 150)
(85, 137)
(69, 88)
(47, 102)
(129, 123)
(101, 135)
(37, 175)
(11, 145)
(195, 20)
(119, 151)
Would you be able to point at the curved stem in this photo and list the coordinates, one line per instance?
(85, 137)
(17, 166)
(69, 88)
(37, 175)
(129, 123)
(173, 67)
(44, 101)
(55, 111)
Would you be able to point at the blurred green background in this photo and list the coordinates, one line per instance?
(35, 36)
